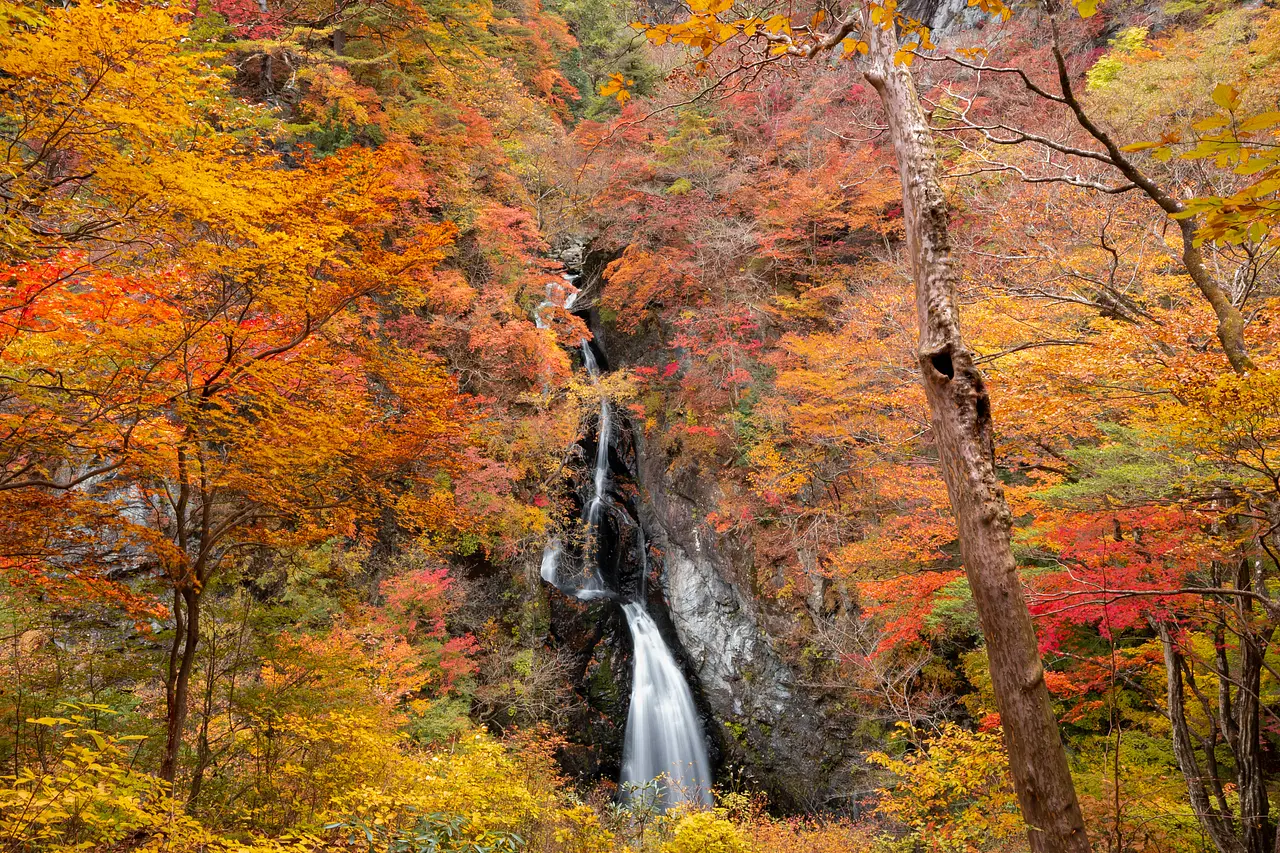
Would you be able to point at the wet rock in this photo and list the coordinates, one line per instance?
(768, 726)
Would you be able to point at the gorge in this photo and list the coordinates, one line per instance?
(664, 743)
(757, 719)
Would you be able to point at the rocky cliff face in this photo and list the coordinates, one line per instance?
(767, 724)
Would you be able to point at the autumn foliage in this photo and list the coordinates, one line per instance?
(281, 437)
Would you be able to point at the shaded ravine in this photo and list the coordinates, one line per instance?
(768, 725)
(664, 749)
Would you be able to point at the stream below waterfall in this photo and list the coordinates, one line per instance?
(664, 741)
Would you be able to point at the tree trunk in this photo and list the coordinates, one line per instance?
(204, 752)
(960, 412)
(1254, 824)
(1246, 733)
(182, 656)
(1215, 823)
(1230, 320)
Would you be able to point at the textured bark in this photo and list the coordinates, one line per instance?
(1217, 824)
(1244, 716)
(182, 658)
(1247, 746)
(960, 410)
(1230, 320)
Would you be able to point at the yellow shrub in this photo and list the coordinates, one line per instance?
(477, 780)
(310, 761)
(957, 795)
(578, 830)
(92, 799)
(475, 793)
(480, 780)
(704, 832)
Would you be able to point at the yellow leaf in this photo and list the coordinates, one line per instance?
(1225, 96)
(1211, 123)
(1261, 121)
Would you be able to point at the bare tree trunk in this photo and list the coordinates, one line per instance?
(1245, 729)
(960, 410)
(1217, 824)
(182, 656)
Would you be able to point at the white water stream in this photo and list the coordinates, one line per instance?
(664, 735)
(603, 437)
(664, 740)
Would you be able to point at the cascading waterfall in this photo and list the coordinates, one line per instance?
(551, 562)
(664, 739)
(593, 587)
(602, 444)
(664, 735)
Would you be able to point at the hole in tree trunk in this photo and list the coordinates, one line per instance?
(941, 362)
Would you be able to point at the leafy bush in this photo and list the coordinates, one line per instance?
(956, 794)
(705, 832)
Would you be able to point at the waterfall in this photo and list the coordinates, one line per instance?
(603, 436)
(555, 290)
(642, 550)
(664, 739)
(551, 562)
(664, 736)
(592, 586)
